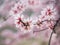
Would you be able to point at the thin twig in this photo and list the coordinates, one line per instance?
(50, 38)
(40, 30)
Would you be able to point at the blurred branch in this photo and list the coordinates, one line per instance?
(40, 30)
(54, 31)
(50, 38)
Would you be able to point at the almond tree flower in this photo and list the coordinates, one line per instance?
(17, 9)
(18, 19)
(33, 3)
(24, 24)
(37, 22)
(50, 12)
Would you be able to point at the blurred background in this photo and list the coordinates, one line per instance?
(10, 35)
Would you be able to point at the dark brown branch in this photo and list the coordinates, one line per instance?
(54, 31)
(50, 38)
(56, 25)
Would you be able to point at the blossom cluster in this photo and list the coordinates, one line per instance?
(26, 23)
